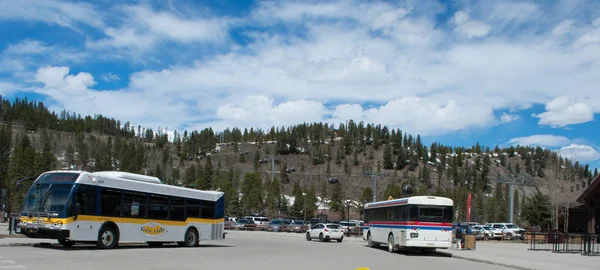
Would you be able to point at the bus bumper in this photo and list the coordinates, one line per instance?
(429, 244)
(43, 232)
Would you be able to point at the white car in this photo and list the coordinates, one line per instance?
(487, 233)
(325, 232)
(509, 229)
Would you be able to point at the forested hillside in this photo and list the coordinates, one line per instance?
(326, 163)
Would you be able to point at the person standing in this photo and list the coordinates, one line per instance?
(458, 236)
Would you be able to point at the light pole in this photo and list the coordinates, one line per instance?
(304, 204)
(348, 216)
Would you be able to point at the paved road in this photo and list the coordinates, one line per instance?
(241, 250)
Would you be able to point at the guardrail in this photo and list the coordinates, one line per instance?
(559, 242)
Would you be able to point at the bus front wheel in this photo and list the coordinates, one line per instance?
(370, 241)
(107, 238)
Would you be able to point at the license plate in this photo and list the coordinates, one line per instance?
(335, 230)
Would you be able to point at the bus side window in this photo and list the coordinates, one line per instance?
(158, 207)
(134, 204)
(208, 209)
(86, 200)
(192, 208)
(177, 209)
(110, 202)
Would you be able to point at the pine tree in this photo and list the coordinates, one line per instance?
(393, 191)
(528, 165)
(208, 174)
(388, 163)
(537, 210)
(256, 161)
(252, 198)
(401, 160)
(272, 199)
(367, 194)
(5, 149)
(311, 202)
(516, 205)
(285, 178)
(298, 206)
(189, 176)
(355, 159)
(337, 196)
(21, 165)
(82, 151)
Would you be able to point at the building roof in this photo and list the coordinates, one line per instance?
(592, 192)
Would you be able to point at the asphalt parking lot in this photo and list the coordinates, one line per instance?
(240, 250)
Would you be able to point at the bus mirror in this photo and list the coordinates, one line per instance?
(77, 210)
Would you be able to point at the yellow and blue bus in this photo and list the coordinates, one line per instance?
(111, 207)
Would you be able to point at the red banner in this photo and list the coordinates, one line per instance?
(469, 208)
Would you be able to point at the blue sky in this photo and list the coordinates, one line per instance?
(458, 72)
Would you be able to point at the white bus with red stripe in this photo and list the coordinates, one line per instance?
(422, 222)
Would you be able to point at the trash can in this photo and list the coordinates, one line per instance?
(469, 241)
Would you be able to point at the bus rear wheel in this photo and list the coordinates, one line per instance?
(191, 238)
(391, 245)
(107, 238)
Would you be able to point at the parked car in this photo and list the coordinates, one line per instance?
(261, 222)
(485, 232)
(345, 226)
(244, 224)
(325, 232)
(278, 225)
(509, 229)
(298, 226)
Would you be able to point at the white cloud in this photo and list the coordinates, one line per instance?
(59, 84)
(143, 28)
(467, 28)
(565, 110)
(66, 14)
(260, 111)
(109, 77)
(420, 115)
(27, 46)
(7, 88)
(331, 53)
(579, 152)
(563, 27)
(541, 139)
(506, 118)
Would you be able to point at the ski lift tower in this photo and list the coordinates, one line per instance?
(373, 175)
(511, 180)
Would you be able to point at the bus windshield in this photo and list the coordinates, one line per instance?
(435, 213)
(47, 198)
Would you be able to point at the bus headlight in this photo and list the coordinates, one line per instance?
(414, 235)
(57, 224)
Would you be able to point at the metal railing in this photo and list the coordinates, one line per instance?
(559, 242)
(591, 245)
